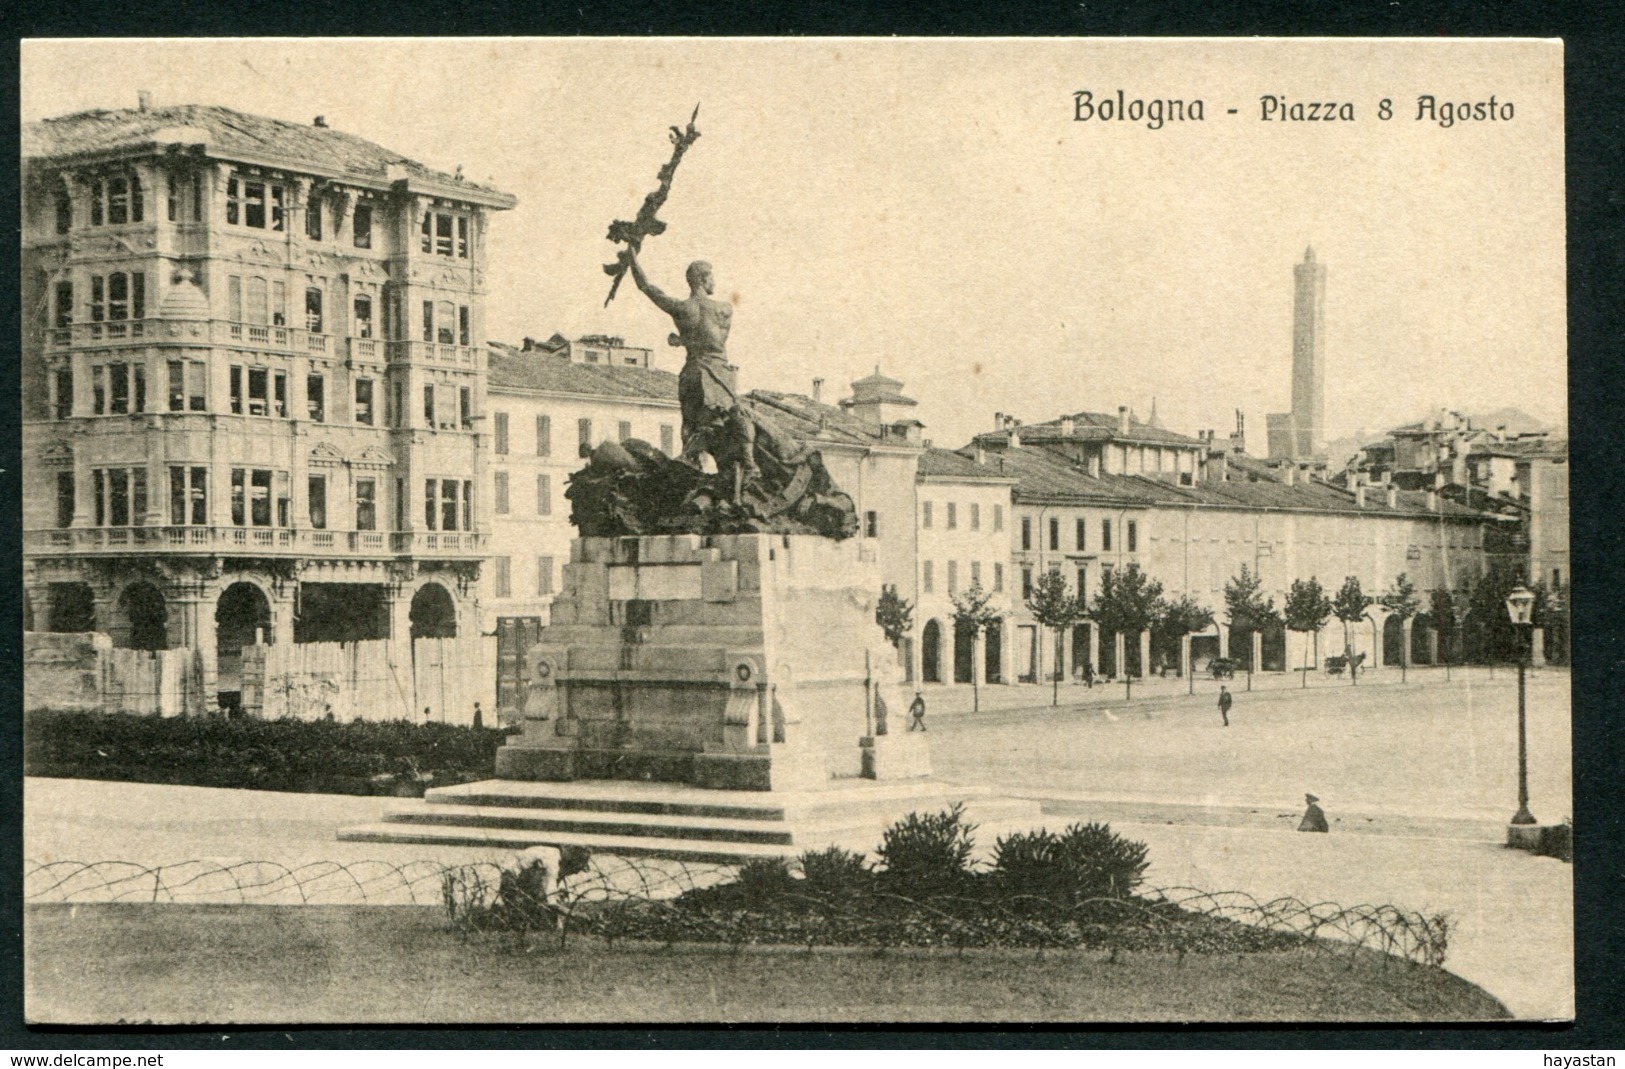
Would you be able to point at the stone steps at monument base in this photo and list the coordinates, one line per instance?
(659, 799)
(722, 853)
(593, 822)
(611, 818)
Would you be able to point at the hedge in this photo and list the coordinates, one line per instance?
(311, 756)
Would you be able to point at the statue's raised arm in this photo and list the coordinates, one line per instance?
(659, 296)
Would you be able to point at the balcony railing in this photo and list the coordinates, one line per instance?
(435, 352)
(257, 541)
(208, 331)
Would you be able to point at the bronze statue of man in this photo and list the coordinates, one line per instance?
(707, 387)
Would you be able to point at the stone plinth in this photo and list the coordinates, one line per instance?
(890, 757)
(729, 661)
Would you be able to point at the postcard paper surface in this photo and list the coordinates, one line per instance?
(1087, 519)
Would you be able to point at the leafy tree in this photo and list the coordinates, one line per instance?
(1442, 611)
(1400, 600)
(1247, 608)
(1128, 602)
(1307, 609)
(972, 616)
(1177, 619)
(894, 615)
(1495, 637)
(1349, 606)
(1057, 609)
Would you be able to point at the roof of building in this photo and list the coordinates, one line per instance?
(1044, 477)
(1093, 426)
(551, 372)
(227, 132)
(1522, 448)
(942, 464)
(815, 421)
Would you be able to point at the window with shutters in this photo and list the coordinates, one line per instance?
(501, 496)
(544, 436)
(366, 505)
(499, 432)
(544, 575)
(316, 501)
(361, 226)
(544, 495)
(188, 496)
(116, 201)
(363, 401)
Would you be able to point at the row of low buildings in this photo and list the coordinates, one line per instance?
(257, 405)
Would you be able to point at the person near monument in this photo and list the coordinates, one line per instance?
(1225, 701)
(916, 713)
(1314, 819)
(479, 717)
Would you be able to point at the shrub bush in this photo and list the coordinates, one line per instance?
(764, 879)
(834, 872)
(930, 854)
(1087, 861)
(1100, 863)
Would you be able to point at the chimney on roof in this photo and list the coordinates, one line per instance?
(1015, 437)
(320, 120)
(818, 390)
(1238, 437)
(1122, 419)
(143, 100)
(1359, 495)
(1393, 495)
(1094, 463)
(1067, 426)
(1291, 473)
(1218, 468)
(998, 421)
(1433, 500)
(981, 453)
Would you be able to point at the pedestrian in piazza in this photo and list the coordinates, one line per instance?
(1314, 819)
(916, 712)
(1225, 701)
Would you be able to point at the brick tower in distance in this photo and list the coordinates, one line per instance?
(1299, 434)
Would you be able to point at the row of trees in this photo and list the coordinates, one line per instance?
(1129, 601)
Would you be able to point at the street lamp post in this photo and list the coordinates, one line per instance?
(1520, 606)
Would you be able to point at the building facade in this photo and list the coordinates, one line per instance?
(253, 391)
(549, 406)
(1070, 514)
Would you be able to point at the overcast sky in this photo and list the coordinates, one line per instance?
(932, 207)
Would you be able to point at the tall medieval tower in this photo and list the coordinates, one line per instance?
(1299, 434)
(1309, 355)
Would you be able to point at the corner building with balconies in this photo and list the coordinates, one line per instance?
(253, 384)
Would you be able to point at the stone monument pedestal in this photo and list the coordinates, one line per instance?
(734, 662)
(892, 757)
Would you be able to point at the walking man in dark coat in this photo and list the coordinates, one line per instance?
(916, 712)
(1224, 704)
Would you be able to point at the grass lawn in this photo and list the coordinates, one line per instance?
(175, 964)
